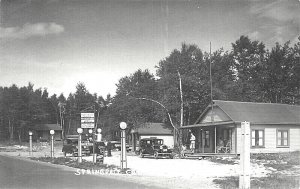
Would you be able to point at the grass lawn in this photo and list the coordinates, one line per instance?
(276, 180)
(271, 182)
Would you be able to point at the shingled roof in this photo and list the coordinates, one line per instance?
(154, 129)
(260, 113)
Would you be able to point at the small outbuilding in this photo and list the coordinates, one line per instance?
(42, 131)
(274, 127)
(152, 130)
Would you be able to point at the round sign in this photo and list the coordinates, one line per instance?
(79, 130)
(52, 132)
(123, 125)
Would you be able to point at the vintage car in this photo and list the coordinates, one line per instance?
(116, 146)
(71, 146)
(154, 147)
(100, 149)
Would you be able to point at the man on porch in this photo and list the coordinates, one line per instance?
(192, 140)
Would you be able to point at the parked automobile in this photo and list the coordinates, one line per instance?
(116, 145)
(154, 147)
(100, 149)
(71, 146)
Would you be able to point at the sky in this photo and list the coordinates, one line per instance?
(55, 44)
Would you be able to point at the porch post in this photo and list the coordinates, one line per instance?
(203, 140)
(215, 139)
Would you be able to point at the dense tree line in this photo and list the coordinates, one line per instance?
(248, 72)
(21, 108)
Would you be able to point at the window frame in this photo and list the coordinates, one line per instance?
(253, 137)
(288, 138)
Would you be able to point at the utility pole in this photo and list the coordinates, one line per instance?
(61, 105)
(181, 112)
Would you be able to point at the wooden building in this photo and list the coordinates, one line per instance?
(274, 127)
(152, 130)
(42, 131)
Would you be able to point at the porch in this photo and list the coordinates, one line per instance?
(213, 140)
(203, 155)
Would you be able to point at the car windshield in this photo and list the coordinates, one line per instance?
(158, 141)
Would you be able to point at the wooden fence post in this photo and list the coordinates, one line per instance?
(244, 179)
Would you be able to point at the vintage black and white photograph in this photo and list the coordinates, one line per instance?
(150, 94)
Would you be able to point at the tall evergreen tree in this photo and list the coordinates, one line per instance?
(248, 59)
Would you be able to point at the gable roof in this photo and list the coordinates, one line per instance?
(46, 127)
(154, 129)
(259, 113)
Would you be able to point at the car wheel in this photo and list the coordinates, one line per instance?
(156, 155)
(141, 154)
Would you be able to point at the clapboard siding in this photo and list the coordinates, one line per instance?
(295, 139)
(270, 143)
(270, 138)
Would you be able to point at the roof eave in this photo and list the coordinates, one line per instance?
(208, 124)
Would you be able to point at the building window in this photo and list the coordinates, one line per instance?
(206, 138)
(257, 138)
(282, 138)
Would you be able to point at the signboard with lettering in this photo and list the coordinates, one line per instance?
(87, 120)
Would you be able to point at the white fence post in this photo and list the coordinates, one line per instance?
(244, 179)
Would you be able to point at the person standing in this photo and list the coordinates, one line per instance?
(109, 147)
(192, 144)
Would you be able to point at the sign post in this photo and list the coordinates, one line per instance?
(244, 179)
(52, 143)
(123, 126)
(87, 120)
(79, 131)
(30, 143)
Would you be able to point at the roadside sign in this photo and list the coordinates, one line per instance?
(87, 120)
